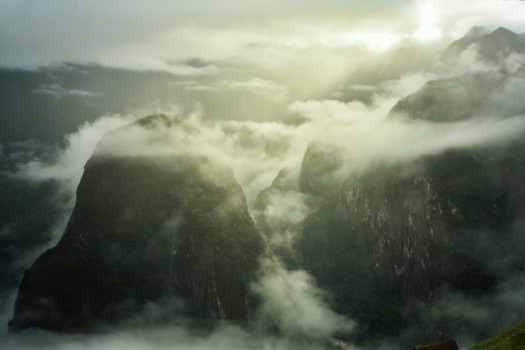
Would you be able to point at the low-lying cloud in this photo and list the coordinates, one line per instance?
(183, 337)
(295, 305)
(67, 164)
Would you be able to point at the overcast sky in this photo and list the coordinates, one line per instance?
(162, 34)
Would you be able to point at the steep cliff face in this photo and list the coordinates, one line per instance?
(420, 223)
(145, 228)
(396, 235)
(399, 222)
(215, 250)
(320, 162)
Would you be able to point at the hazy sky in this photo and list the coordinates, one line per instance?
(162, 34)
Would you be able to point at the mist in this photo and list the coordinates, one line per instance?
(159, 337)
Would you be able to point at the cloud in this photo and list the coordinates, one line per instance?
(258, 151)
(477, 317)
(469, 60)
(193, 85)
(255, 151)
(429, 16)
(258, 86)
(129, 34)
(458, 18)
(295, 305)
(58, 92)
(407, 84)
(469, 318)
(190, 67)
(66, 165)
(283, 212)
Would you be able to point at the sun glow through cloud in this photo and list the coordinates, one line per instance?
(429, 21)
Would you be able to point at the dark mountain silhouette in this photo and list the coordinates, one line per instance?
(145, 229)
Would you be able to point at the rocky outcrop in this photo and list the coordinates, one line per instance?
(400, 223)
(395, 235)
(145, 228)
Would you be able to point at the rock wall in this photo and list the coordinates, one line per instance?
(145, 228)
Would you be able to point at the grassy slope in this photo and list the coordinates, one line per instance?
(512, 339)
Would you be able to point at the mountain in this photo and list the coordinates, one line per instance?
(396, 236)
(491, 46)
(145, 228)
(392, 240)
(489, 90)
(458, 98)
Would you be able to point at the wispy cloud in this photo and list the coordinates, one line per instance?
(295, 305)
(59, 92)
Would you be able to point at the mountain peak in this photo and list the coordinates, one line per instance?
(503, 32)
(491, 46)
(476, 31)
